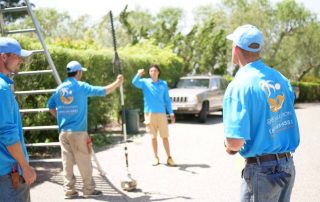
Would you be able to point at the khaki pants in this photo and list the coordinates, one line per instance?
(156, 122)
(74, 150)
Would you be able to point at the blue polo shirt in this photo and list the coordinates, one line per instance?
(156, 95)
(10, 126)
(259, 108)
(71, 103)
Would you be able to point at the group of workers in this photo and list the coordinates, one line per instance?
(258, 115)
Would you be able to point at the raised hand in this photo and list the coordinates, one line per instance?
(140, 72)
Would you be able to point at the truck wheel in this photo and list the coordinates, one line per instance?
(203, 114)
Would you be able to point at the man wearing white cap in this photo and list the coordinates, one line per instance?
(16, 174)
(69, 104)
(260, 121)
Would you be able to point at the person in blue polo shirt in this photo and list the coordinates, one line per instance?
(16, 174)
(156, 103)
(260, 121)
(69, 104)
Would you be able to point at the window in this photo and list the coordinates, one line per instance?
(193, 83)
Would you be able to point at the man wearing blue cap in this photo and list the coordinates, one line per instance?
(260, 121)
(16, 174)
(69, 104)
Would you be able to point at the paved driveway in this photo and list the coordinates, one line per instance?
(204, 171)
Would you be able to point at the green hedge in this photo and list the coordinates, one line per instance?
(309, 92)
(100, 72)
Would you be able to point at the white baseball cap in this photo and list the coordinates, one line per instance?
(74, 66)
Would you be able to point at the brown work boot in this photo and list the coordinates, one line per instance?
(156, 161)
(170, 161)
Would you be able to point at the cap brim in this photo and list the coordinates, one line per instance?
(25, 53)
(230, 37)
(84, 69)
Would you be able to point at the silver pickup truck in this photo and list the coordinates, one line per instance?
(198, 95)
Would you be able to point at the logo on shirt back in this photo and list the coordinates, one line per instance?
(272, 89)
(66, 96)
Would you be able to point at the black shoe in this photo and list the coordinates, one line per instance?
(95, 193)
(71, 196)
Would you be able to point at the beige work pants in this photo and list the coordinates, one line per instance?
(74, 150)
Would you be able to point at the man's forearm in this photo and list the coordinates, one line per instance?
(111, 87)
(136, 81)
(16, 152)
(53, 112)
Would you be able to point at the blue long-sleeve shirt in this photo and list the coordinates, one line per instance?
(156, 95)
(10, 126)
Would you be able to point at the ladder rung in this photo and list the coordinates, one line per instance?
(15, 9)
(50, 144)
(34, 110)
(35, 72)
(40, 128)
(37, 51)
(31, 92)
(44, 160)
(21, 31)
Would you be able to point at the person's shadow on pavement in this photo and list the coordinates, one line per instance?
(149, 196)
(120, 196)
(185, 167)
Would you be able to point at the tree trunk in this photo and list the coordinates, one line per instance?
(306, 71)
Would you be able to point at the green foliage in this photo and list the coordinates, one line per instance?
(101, 139)
(290, 34)
(101, 110)
(166, 26)
(228, 78)
(141, 25)
(137, 23)
(309, 91)
(13, 3)
(203, 49)
(75, 44)
(292, 19)
(290, 31)
(291, 14)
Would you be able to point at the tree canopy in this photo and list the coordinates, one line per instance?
(13, 3)
(290, 31)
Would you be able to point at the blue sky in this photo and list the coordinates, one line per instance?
(95, 10)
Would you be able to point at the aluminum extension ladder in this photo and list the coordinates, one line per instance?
(52, 70)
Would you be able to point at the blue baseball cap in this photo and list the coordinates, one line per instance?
(10, 45)
(74, 66)
(246, 35)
